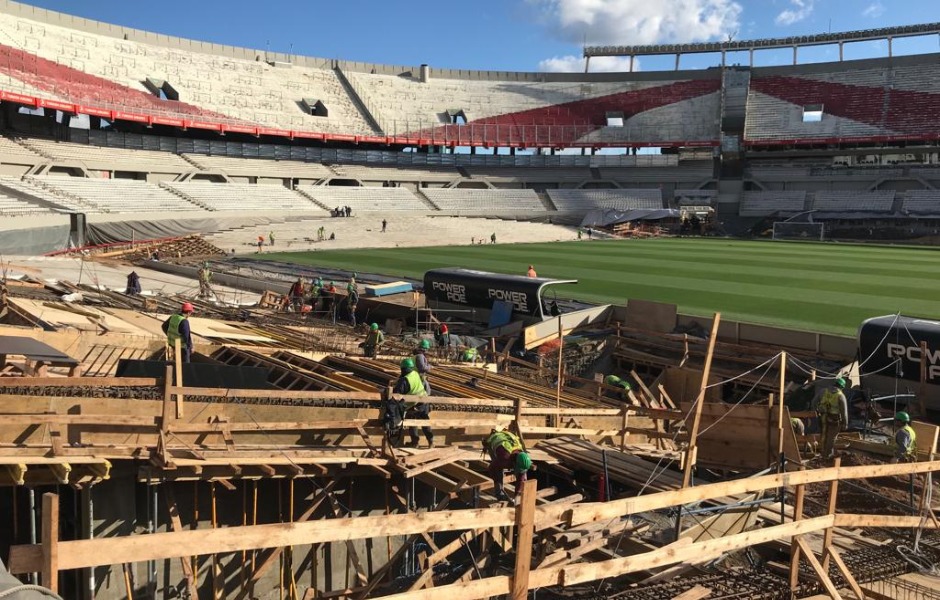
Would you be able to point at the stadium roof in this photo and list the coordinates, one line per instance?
(766, 44)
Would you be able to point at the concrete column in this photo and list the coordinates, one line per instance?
(587, 64)
(722, 58)
(890, 47)
(794, 54)
(678, 56)
(631, 63)
(841, 48)
(750, 62)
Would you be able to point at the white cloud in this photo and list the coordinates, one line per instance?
(627, 22)
(575, 64)
(874, 10)
(799, 10)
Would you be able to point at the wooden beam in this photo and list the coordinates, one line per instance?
(831, 509)
(50, 542)
(525, 523)
(821, 573)
(794, 547)
(176, 524)
(699, 401)
(178, 359)
(699, 551)
(846, 574)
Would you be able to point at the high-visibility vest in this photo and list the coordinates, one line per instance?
(173, 330)
(504, 439)
(415, 384)
(829, 405)
(911, 450)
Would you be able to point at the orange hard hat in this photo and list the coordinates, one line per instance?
(187, 307)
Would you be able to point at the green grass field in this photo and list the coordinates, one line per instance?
(819, 287)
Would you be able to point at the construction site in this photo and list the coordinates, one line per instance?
(264, 467)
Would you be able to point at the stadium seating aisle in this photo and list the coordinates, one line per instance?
(242, 196)
(484, 201)
(617, 199)
(34, 188)
(17, 153)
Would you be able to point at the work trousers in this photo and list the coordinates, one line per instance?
(831, 427)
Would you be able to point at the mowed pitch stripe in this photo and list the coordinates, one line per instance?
(826, 287)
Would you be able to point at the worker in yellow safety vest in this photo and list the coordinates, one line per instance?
(410, 384)
(506, 451)
(905, 439)
(177, 328)
(833, 414)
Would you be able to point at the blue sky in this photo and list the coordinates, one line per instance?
(517, 35)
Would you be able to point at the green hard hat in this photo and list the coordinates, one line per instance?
(840, 383)
(523, 462)
(425, 344)
(408, 364)
(374, 326)
(355, 274)
(902, 417)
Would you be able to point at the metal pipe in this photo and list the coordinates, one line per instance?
(33, 577)
(90, 516)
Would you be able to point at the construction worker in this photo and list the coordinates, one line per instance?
(372, 342)
(833, 414)
(296, 294)
(798, 427)
(177, 328)
(614, 381)
(314, 297)
(506, 452)
(422, 364)
(905, 439)
(133, 284)
(492, 238)
(260, 244)
(531, 272)
(205, 280)
(410, 384)
(271, 237)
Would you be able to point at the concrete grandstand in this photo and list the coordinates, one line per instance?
(106, 121)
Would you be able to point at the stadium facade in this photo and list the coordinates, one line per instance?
(854, 141)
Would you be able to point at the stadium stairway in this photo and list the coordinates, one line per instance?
(358, 101)
(34, 200)
(299, 190)
(186, 197)
(423, 198)
(547, 202)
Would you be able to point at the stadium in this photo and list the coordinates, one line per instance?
(790, 207)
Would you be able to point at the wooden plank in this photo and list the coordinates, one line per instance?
(794, 547)
(50, 542)
(849, 578)
(831, 509)
(176, 524)
(821, 573)
(700, 551)
(699, 402)
(525, 522)
(78, 381)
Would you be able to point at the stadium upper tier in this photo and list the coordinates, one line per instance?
(58, 62)
(897, 101)
(112, 72)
